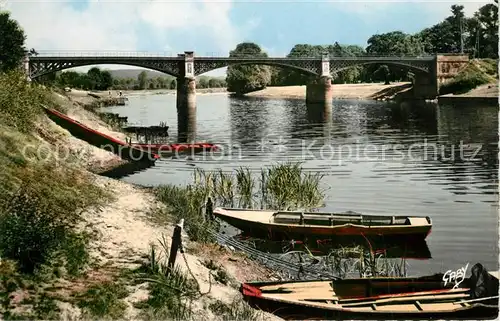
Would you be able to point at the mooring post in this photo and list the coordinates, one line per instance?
(176, 243)
(209, 209)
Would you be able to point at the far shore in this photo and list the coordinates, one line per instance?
(340, 91)
(364, 91)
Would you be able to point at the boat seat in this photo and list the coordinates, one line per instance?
(417, 221)
(285, 218)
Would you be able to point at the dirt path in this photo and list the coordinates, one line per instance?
(124, 233)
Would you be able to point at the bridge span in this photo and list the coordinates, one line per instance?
(429, 71)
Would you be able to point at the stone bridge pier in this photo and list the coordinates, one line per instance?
(186, 99)
(319, 91)
(443, 69)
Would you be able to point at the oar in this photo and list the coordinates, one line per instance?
(477, 300)
(408, 294)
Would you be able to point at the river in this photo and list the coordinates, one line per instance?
(377, 158)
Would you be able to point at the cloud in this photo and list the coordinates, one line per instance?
(438, 9)
(128, 25)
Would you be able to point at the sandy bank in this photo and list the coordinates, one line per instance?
(488, 90)
(123, 232)
(340, 91)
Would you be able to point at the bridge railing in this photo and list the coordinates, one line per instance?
(90, 53)
(221, 55)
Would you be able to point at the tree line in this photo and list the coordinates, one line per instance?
(476, 36)
(96, 79)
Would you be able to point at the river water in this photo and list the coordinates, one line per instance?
(377, 158)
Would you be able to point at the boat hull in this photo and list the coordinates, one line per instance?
(380, 298)
(290, 311)
(288, 232)
(100, 140)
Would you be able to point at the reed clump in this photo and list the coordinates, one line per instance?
(171, 291)
(282, 187)
(359, 260)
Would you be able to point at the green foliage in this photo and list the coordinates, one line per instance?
(37, 222)
(237, 310)
(105, 300)
(21, 102)
(284, 187)
(466, 80)
(94, 79)
(186, 203)
(142, 79)
(242, 79)
(171, 291)
(12, 39)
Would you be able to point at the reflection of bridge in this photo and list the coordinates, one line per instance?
(428, 70)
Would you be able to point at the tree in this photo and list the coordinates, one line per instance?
(142, 78)
(94, 75)
(242, 79)
(106, 80)
(12, 50)
(487, 18)
(173, 84)
(384, 72)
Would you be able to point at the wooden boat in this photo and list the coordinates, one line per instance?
(378, 298)
(279, 225)
(172, 149)
(93, 137)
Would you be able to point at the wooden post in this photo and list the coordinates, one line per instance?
(209, 209)
(176, 242)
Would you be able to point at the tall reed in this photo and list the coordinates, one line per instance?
(281, 187)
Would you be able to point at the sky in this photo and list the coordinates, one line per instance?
(215, 27)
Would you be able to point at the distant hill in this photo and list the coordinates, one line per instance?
(133, 73)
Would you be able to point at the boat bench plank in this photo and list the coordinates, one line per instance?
(403, 299)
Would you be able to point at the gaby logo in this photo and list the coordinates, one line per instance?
(457, 276)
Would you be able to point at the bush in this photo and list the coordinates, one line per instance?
(40, 217)
(21, 102)
(468, 79)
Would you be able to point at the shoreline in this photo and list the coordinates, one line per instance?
(127, 224)
(363, 91)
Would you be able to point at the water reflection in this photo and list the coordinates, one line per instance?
(248, 120)
(387, 170)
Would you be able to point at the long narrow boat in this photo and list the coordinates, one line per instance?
(173, 149)
(379, 298)
(282, 225)
(98, 139)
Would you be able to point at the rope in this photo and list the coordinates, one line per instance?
(266, 258)
(181, 249)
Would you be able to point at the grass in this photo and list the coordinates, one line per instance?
(357, 260)
(236, 310)
(284, 187)
(477, 73)
(41, 202)
(104, 300)
(20, 103)
(171, 291)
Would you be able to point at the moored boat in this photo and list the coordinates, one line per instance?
(427, 297)
(280, 225)
(173, 149)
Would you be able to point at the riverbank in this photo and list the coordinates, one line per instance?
(340, 91)
(106, 272)
(486, 94)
